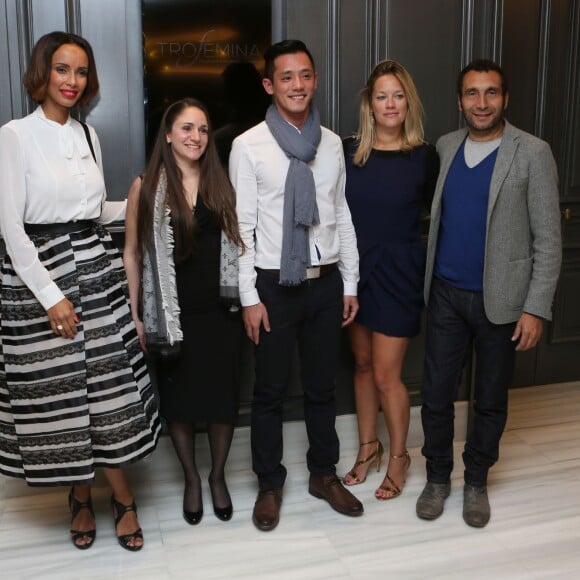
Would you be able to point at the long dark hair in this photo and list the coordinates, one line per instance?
(215, 188)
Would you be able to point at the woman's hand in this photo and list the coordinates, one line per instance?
(63, 319)
(141, 334)
(132, 258)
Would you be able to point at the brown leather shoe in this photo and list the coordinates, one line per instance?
(330, 488)
(267, 509)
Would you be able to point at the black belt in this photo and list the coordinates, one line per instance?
(311, 273)
(57, 229)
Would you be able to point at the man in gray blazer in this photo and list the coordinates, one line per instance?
(493, 261)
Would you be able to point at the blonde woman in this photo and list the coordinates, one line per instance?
(391, 175)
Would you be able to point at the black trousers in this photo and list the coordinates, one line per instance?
(454, 318)
(309, 314)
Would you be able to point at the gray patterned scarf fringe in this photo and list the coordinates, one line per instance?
(160, 301)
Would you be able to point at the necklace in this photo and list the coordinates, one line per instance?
(190, 184)
(191, 198)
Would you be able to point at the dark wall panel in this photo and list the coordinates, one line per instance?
(354, 58)
(426, 38)
(558, 84)
(309, 21)
(5, 87)
(119, 121)
(45, 21)
(520, 52)
(486, 31)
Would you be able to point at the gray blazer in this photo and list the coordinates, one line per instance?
(523, 248)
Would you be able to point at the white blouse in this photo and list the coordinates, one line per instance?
(48, 175)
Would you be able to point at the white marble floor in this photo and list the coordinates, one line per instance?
(534, 531)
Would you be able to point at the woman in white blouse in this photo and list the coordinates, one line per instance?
(74, 390)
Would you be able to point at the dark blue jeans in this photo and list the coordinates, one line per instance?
(454, 318)
(309, 314)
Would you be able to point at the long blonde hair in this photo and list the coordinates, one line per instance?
(413, 134)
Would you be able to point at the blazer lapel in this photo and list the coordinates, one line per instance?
(503, 162)
(450, 151)
(447, 155)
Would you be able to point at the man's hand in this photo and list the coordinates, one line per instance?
(349, 310)
(255, 316)
(528, 331)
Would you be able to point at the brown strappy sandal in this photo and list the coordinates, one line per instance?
(391, 486)
(374, 459)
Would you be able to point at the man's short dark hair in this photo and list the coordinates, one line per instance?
(290, 46)
(482, 65)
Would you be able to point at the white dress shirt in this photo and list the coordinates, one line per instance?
(47, 176)
(258, 169)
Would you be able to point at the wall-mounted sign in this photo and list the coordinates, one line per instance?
(211, 50)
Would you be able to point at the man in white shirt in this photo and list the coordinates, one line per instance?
(298, 274)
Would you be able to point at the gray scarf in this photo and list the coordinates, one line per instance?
(160, 303)
(160, 300)
(300, 209)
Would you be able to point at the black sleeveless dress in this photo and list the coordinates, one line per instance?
(202, 385)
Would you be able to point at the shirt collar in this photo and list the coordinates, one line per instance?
(70, 135)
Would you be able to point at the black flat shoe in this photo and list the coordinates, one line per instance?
(75, 507)
(222, 513)
(192, 518)
(119, 511)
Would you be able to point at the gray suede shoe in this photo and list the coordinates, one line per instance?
(431, 500)
(476, 510)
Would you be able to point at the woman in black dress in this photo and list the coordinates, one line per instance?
(390, 177)
(181, 261)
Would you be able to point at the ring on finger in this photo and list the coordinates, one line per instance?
(59, 327)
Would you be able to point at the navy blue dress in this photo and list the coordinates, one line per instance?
(387, 197)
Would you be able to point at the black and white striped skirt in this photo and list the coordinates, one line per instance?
(70, 406)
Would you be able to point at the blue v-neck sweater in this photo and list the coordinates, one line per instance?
(461, 244)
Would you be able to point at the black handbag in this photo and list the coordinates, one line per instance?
(158, 347)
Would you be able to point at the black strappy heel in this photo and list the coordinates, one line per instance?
(119, 511)
(75, 507)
